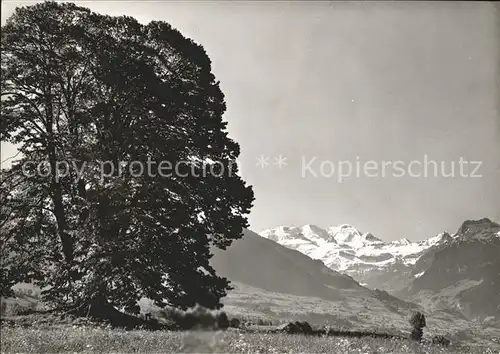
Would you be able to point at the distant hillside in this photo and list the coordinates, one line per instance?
(264, 264)
(355, 313)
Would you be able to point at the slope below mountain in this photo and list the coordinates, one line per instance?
(358, 314)
(458, 273)
(265, 264)
(260, 263)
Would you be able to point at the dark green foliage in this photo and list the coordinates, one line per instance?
(222, 321)
(440, 340)
(304, 326)
(297, 327)
(417, 321)
(93, 91)
(416, 334)
(234, 323)
(198, 318)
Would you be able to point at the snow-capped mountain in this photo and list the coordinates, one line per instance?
(266, 265)
(464, 263)
(361, 255)
(463, 274)
(368, 259)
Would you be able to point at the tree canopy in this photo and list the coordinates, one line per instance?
(92, 101)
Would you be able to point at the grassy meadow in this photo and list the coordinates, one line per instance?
(257, 311)
(75, 339)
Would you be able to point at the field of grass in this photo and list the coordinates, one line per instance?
(51, 334)
(356, 314)
(68, 339)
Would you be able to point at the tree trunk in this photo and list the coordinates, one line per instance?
(99, 308)
(62, 227)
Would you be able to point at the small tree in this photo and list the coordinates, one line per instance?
(222, 321)
(417, 321)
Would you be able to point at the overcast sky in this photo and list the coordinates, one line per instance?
(352, 82)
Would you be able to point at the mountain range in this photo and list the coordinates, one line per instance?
(292, 285)
(275, 282)
(457, 272)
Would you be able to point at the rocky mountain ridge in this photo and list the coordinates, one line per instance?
(457, 271)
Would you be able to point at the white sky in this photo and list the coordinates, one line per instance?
(382, 81)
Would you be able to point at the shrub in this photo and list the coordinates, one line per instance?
(440, 340)
(417, 321)
(305, 327)
(199, 317)
(234, 323)
(222, 321)
(203, 318)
